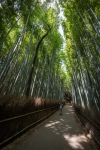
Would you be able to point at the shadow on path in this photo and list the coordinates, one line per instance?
(60, 132)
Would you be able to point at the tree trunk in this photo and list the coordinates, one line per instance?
(33, 64)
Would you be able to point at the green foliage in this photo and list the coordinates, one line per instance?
(23, 23)
(82, 51)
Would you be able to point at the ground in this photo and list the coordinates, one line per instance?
(59, 132)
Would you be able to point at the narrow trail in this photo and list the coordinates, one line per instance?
(59, 132)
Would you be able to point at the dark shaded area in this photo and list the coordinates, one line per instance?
(67, 97)
(91, 120)
(13, 109)
(59, 133)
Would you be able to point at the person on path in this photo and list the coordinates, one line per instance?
(61, 105)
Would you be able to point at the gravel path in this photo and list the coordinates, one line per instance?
(60, 132)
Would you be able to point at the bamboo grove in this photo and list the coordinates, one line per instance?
(31, 54)
(82, 32)
(30, 47)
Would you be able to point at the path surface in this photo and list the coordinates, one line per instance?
(60, 132)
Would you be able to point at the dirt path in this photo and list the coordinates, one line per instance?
(60, 132)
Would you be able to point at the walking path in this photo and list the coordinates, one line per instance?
(60, 132)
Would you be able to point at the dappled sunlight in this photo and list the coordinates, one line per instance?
(67, 113)
(52, 124)
(76, 140)
(66, 129)
(62, 120)
(58, 133)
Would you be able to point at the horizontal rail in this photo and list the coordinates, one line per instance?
(18, 133)
(89, 120)
(9, 119)
(88, 129)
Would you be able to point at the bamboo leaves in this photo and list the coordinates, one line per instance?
(30, 48)
(83, 50)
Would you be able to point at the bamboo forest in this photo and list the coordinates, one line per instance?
(49, 53)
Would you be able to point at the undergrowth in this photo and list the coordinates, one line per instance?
(12, 106)
(92, 119)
